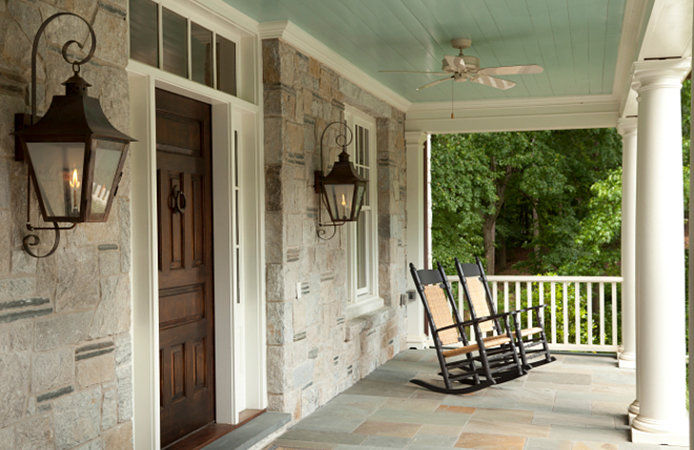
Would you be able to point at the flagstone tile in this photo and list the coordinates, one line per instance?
(503, 415)
(611, 408)
(385, 442)
(436, 440)
(413, 404)
(547, 444)
(288, 444)
(490, 441)
(594, 446)
(574, 420)
(560, 378)
(592, 434)
(574, 406)
(382, 428)
(327, 437)
(440, 430)
(509, 428)
(456, 409)
(421, 417)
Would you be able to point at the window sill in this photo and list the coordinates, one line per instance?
(362, 306)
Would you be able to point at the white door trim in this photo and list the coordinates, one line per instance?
(232, 342)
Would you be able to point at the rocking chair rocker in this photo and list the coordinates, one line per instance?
(479, 300)
(495, 361)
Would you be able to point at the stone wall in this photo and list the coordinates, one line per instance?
(314, 352)
(65, 365)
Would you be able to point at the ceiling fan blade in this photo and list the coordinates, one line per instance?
(433, 83)
(454, 62)
(412, 71)
(497, 83)
(511, 70)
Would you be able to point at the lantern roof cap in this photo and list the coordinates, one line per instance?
(74, 114)
(343, 172)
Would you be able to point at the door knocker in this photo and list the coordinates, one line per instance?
(177, 200)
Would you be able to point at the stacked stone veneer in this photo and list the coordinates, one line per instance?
(314, 351)
(65, 364)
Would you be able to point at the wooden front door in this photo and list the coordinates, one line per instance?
(186, 323)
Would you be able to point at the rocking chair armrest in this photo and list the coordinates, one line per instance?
(528, 308)
(501, 315)
(455, 325)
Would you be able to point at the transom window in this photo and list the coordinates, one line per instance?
(363, 248)
(169, 41)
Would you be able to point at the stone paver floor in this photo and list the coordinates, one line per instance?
(577, 402)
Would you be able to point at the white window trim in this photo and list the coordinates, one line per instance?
(367, 301)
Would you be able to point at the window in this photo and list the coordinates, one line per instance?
(363, 235)
(170, 41)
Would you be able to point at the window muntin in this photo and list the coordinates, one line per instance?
(162, 38)
(363, 249)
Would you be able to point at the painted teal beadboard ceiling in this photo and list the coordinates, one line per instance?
(576, 41)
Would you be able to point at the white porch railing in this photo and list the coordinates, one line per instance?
(581, 312)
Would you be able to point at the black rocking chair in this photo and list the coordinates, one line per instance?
(474, 283)
(484, 363)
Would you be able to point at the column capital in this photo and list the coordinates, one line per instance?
(415, 138)
(627, 125)
(659, 73)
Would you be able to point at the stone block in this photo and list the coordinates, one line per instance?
(34, 433)
(17, 288)
(77, 283)
(120, 437)
(14, 388)
(7, 437)
(125, 243)
(302, 374)
(109, 408)
(273, 188)
(112, 315)
(273, 140)
(51, 370)
(279, 323)
(98, 369)
(277, 369)
(111, 22)
(124, 377)
(123, 353)
(109, 262)
(77, 417)
(22, 262)
(62, 329)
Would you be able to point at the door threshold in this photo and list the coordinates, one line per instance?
(213, 431)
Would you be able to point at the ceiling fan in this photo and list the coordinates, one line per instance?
(467, 68)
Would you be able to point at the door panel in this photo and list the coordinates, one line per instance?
(186, 333)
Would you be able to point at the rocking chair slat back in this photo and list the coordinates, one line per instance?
(478, 297)
(441, 313)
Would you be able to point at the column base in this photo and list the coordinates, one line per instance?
(633, 411)
(626, 360)
(650, 431)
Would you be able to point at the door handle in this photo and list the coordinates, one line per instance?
(177, 200)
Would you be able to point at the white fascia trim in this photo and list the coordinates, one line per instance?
(636, 14)
(295, 36)
(523, 114)
(227, 13)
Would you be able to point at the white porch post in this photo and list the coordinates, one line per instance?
(660, 346)
(627, 128)
(415, 141)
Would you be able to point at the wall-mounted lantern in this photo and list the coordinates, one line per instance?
(342, 189)
(75, 155)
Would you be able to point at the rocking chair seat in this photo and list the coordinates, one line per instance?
(491, 341)
(530, 331)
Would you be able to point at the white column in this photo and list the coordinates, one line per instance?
(660, 346)
(627, 128)
(415, 141)
(627, 356)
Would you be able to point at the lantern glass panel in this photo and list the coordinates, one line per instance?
(58, 167)
(359, 199)
(340, 197)
(107, 156)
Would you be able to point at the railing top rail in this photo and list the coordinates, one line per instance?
(546, 278)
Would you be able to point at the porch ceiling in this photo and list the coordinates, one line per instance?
(577, 42)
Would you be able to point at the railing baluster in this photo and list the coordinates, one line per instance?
(542, 302)
(529, 288)
(518, 295)
(506, 295)
(495, 294)
(589, 290)
(614, 314)
(565, 310)
(602, 313)
(553, 310)
(577, 312)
